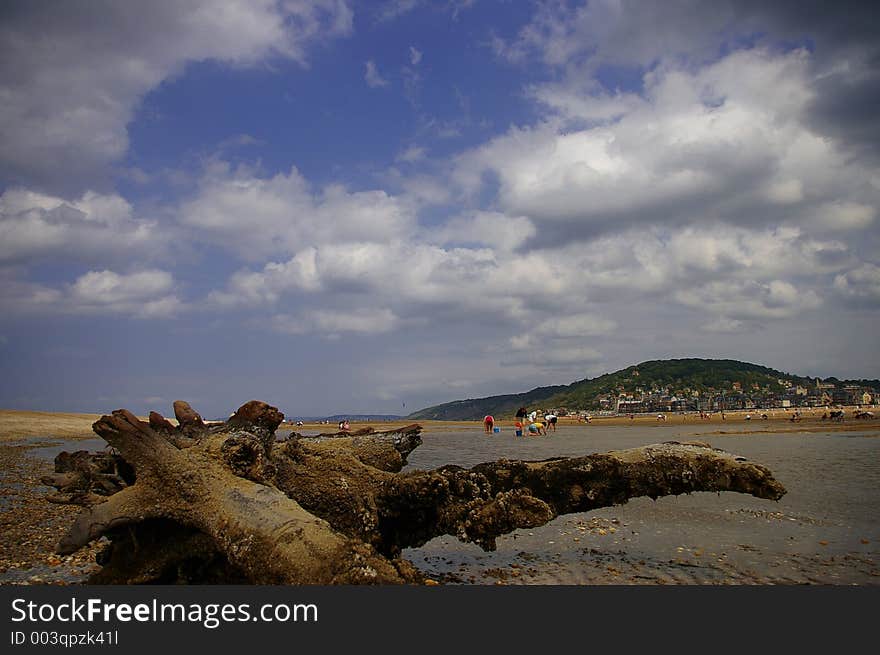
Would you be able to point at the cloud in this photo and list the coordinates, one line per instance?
(558, 339)
(620, 32)
(412, 278)
(726, 142)
(576, 326)
(332, 323)
(94, 227)
(582, 37)
(587, 104)
(144, 294)
(415, 55)
(571, 358)
(259, 217)
(412, 154)
(393, 9)
(476, 266)
(840, 216)
(147, 294)
(628, 32)
(750, 300)
(372, 77)
(860, 284)
(724, 325)
(109, 288)
(456, 7)
(72, 77)
(493, 229)
(653, 264)
(19, 296)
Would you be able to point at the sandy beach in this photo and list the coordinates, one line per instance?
(31, 526)
(17, 424)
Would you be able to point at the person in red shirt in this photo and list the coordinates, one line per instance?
(488, 423)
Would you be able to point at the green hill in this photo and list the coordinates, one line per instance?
(675, 376)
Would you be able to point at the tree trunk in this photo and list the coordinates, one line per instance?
(195, 503)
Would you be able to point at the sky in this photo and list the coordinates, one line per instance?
(371, 207)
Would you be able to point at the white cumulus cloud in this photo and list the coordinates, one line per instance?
(257, 217)
(73, 74)
(93, 227)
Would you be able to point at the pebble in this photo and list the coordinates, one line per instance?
(33, 526)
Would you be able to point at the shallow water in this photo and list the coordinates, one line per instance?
(824, 530)
(50, 452)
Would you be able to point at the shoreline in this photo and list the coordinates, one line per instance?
(30, 525)
(17, 425)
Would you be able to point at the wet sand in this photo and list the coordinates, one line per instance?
(30, 526)
(824, 531)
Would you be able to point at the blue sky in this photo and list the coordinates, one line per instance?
(371, 207)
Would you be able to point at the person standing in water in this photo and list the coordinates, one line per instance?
(488, 423)
(550, 420)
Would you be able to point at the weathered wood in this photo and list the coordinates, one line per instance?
(262, 532)
(396, 511)
(230, 504)
(84, 478)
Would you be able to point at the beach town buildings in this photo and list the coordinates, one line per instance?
(737, 397)
(792, 395)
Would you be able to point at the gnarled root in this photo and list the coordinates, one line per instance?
(230, 504)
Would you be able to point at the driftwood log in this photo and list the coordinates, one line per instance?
(228, 503)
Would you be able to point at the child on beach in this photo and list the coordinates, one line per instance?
(518, 426)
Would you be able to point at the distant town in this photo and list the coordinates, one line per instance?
(675, 386)
(787, 395)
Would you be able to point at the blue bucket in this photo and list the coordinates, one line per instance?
(497, 430)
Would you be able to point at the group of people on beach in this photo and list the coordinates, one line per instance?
(525, 423)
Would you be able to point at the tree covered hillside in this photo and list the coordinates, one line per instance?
(676, 375)
(688, 377)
